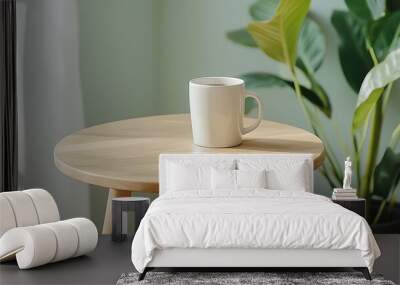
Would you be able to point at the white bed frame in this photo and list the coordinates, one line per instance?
(251, 258)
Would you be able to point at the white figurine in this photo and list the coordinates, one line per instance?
(347, 174)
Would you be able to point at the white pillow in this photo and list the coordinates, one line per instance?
(282, 174)
(237, 179)
(251, 178)
(223, 179)
(185, 175)
(294, 180)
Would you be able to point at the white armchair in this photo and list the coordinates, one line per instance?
(31, 230)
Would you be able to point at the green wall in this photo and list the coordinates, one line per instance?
(119, 62)
(119, 58)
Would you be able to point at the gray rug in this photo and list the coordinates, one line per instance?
(269, 278)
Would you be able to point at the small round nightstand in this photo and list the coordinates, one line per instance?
(120, 207)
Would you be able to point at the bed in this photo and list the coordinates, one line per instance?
(247, 211)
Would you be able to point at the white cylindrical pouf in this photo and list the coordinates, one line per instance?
(30, 230)
(34, 246)
(23, 208)
(7, 218)
(87, 233)
(41, 244)
(67, 240)
(45, 205)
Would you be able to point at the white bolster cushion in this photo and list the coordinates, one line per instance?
(7, 219)
(33, 246)
(87, 235)
(46, 207)
(45, 243)
(26, 208)
(23, 208)
(67, 240)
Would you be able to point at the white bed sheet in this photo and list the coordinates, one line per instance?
(252, 218)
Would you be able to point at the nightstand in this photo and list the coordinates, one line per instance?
(120, 207)
(356, 205)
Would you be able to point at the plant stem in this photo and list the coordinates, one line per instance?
(392, 200)
(330, 155)
(331, 158)
(375, 136)
(372, 53)
(324, 172)
(373, 148)
(395, 139)
(308, 116)
(300, 98)
(358, 145)
(380, 211)
(357, 160)
(388, 90)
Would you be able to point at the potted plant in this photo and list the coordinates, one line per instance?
(369, 54)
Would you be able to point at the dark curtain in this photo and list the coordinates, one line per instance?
(8, 99)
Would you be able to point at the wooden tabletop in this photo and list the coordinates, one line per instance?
(124, 154)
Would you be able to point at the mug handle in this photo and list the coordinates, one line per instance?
(248, 129)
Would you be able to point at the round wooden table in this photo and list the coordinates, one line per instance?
(123, 156)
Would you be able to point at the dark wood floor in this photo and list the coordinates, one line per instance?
(111, 259)
(103, 266)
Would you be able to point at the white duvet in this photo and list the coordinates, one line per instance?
(250, 219)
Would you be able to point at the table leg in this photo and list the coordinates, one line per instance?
(113, 193)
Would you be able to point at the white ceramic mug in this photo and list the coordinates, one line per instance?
(217, 110)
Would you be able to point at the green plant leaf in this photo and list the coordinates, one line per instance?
(278, 36)
(242, 37)
(384, 34)
(255, 80)
(317, 89)
(387, 173)
(395, 139)
(311, 53)
(373, 85)
(316, 98)
(263, 9)
(367, 10)
(322, 95)
(353, 55)
(266, 80)
(362, 110)
(311, 47)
